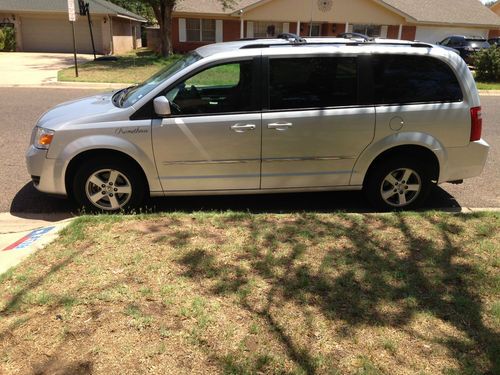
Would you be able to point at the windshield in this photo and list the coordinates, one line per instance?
(131, 95)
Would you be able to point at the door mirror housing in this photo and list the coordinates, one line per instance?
(162, 106)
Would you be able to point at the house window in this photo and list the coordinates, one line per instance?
(315, 29)
(199, 30)
(370, 30)
(267, 29)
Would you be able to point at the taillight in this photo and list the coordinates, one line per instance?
(476, 125)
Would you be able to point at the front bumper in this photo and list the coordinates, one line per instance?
(46, 173)
(464, 162)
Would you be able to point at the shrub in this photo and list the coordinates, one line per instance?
(2, 40)
(10, 38)
(487, 62)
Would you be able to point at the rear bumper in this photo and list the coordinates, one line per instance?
(464, 162)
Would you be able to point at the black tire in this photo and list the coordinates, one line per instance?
(376, 184)
(126, 171)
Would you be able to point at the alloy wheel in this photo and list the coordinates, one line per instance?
(108, 189)
(401, 187)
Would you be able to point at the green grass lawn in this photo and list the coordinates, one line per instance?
(488, 85)
(238, 293)
(134, 67)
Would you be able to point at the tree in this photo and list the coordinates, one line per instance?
(138, 7)
(162, 10)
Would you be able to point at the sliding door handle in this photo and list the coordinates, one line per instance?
(280, 126)
(240, 128)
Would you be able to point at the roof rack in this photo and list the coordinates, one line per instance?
(352, 39)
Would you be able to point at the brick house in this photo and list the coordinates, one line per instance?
(200, 22)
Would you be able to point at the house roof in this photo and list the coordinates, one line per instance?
(211, 6)
(463, 12)
(496, 7)
(61, 6)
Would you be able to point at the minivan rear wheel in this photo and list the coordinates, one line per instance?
(398, 185)
(108, 186)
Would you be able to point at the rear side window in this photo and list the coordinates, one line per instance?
(477, 43)
(413, 79)
(312, 82)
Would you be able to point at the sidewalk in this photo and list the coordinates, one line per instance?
(21, 237)
(33, 68)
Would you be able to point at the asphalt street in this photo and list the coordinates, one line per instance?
(21, 107)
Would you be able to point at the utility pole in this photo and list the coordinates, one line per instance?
(85, 11)
(72, 19)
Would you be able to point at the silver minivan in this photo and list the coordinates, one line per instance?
(388, 117)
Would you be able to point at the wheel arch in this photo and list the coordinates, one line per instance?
(413, 145)
(408, 151)
(83, 156)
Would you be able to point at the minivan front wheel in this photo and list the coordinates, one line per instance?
(393, 185)
(110, 186)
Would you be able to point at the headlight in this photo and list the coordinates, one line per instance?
(43, 138)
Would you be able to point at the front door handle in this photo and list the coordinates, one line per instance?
(240, 128)
(280, 126)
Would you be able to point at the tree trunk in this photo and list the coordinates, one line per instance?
(163, 13)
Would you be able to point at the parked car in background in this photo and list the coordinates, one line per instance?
(465, 45)
(494, 41)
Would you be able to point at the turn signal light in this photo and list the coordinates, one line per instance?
(43, 138)
(476, 124)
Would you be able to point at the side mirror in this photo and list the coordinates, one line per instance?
(162, 106)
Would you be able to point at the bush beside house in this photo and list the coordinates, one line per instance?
(487, 63)
(7, 39)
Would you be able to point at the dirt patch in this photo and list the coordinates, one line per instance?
(239, 293)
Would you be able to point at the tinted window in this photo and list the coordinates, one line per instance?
(312, 82)
(221, 89)
(477, 43)
(413, 79)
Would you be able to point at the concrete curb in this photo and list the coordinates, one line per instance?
(21, 237)
(489, 92)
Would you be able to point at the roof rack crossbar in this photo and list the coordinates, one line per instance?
(293, 38)
(366, 38)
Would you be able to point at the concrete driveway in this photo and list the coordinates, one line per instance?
(34, 68)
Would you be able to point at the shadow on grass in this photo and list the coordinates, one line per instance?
(354, 282)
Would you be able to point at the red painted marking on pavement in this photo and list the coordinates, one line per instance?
(17, 243)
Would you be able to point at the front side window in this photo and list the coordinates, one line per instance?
(312, 82)
(200, 30)
(130, 96)
(413, 79)
(226, 88)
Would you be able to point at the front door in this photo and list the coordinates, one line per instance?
(212, 141)
(313, 128)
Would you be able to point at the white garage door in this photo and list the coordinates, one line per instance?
(55, 35)
(432, 34)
